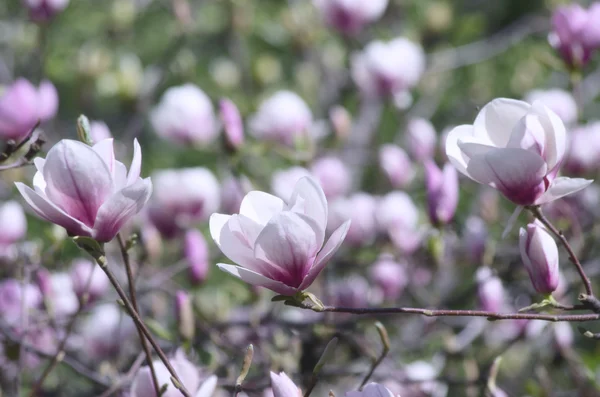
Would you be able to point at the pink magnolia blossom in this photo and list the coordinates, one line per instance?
(360, 208)
(197, 255)
(540, 256)
(14, 223)
(278, 245)
(559, 101)
(284, 117)
(333, 175)
(106, 331)
(22, 105)
(442, 192)
(490, 290)
(516, 148)
(421, 139)
(82, 271)
(185, 116)
(283, 386)
(576, 33)
(584, 149)
(232, 123)
(396, 165)
(43, 10)
(390, 276)
(350, 16)
(86, 190)
(14, 297)
(99, 131)
(284, 181)
(388, 68)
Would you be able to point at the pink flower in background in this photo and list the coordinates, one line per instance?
(442, 192)
(421, 139)
(516, 148)
(350, 16)
(81, 271)
(14, 223)
(99, 131)
(390, 276)
(22, 105)
(283, 182)
(232, 123)
(559, 101)
(43, 10)
(490, 290)
(398, 216)
(86, 190)
(475, 235)
(12, 294)
(106, 331)
(284, 117)
(197, 255)
(283, 386)
(185, 116)
(277, 245)
(576, 33)
(233, 191)
(183, 197)
(388, 68)
(372, 390)
(540, 256)
(396, 165)
(333, 175)
(143, 386)
(360, 209)
(584, 149)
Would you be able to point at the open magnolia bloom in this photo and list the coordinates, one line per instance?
(277, 245)
(85, 190)
(516, 148)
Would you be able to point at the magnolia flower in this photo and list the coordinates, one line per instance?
(398, 216)
(350, 16)
(185, 115)
(372, 390)
(390, 276)
(197, 255)
(61, 295)
(283, 182)
(390, 68)
(396, 165)
(43, 10)
(516, 148)
(283, 386)
(490, 290)
(360, 208)
(421, 139)
(442, 192)
(14, 224)
(22, 106)
(105, 331)
(540, 256)
(560, 102)
(278, 245)
(143, 386)
(232, 123)
(584, 149)
(283, 117)
(576, 33)
(14, 297)
(84, 271)
(99, 131)
(183, 197)
(333, 175)
(85, 190)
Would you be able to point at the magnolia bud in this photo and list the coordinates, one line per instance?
(185, 315)
(490, 291)
(540, 256)
(420, 139)
(341, 120)
(442, 192)
(196, 254)
(232, 124)
(333, 175)
(390, 276)
(396, 165)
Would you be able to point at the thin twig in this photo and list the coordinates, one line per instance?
(537, 212)
(385, 341)
(131, 282)
(130, 374)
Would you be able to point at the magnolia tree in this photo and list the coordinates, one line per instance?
(337, 198)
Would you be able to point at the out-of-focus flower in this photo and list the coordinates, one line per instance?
(360, 208)
(14, 224)
(540, 256)
(44, 10)
(398, 216)
(185, 315)
(576, 33)
(490, 290)
(421, 139)
(352, 291)
(105, 331)
(333, 175)
(196, 254)
(62, 296)
(442, 192)
(12, 294)
(372, 390)
(85, 190)
(283, 386)
(350, 16)
(22, 105)
(396, 165)
(277, 245)
(284, 117)
(559, 101)
(516, 148)
(81, 271)
(283, 182)
(183, 197)
(341, 121)
(390, 68)
(232, 192)
(475, 236)
(185, 116)
(142, 385)
(563, 334)
(584, 149)
(99, 131)
(390, 276)
(232, 123)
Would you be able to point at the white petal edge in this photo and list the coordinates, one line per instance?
(254, 278)
(216, 223)
(136, 163)
(260, 206)
(561, 187)
(208, 387)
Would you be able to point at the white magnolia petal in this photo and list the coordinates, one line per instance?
(260, 206)
(207, 389)
(216, 224)
(136, 164)
(498, 118)
(561, 187)
(254, 278)
(556, 136)
(106, 151)
(329, 249)
(314, 204)
(454, 153)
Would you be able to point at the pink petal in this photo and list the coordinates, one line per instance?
(136, 164)
(254, 278)
(329, 249)
(207, 389)
(308, 195)
(260, 206)
(105, 150)
(454, 153)
(119, 208)
(47, 101)
(45, 209)
(563, 186)
(498, 118)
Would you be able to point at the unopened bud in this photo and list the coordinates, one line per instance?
(185, 315)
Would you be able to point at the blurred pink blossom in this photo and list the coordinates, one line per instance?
(350, 16)
(396, 165)
(576, 33)
(43, 10)
(333, 175)
(559, 101)
(442, 192)
(360, 209)
(232, 123)
(539, 253)
(421, 139)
